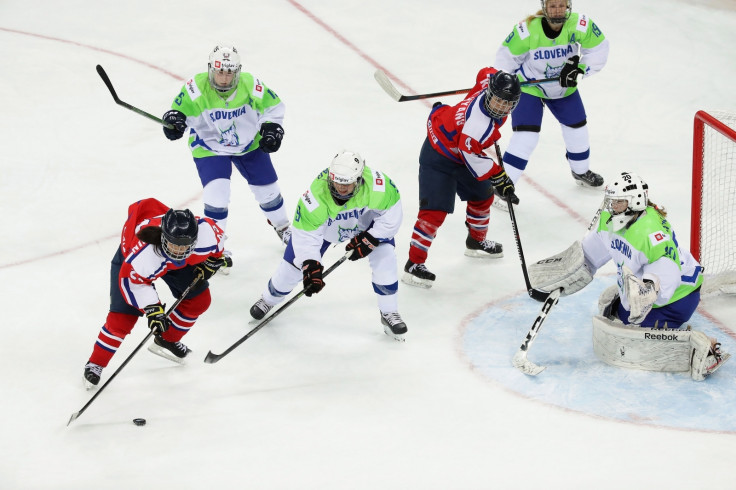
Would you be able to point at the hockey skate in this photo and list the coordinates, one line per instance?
(260, 309)
(487, 249)
(284, 232)
(173, 351)
(501, 204)
(589, 179)
(417, 275)
(92, 373)
(716, 359)
(394, 326)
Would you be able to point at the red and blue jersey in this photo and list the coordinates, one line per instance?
(462, 132)
(144, 263)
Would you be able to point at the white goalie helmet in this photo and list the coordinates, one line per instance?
(346, 170)
(224, 68)
(626, 197)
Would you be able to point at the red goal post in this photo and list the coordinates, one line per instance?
(713, 210)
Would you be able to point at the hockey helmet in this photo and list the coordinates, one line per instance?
(558, 19)
(626, 196)
(179, 230)
(502, 94)
(346, 169)
(224, 60)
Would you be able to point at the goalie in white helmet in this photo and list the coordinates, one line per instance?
(658, 284)
(347, 203)
(233, 119)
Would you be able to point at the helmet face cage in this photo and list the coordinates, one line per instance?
(224, 59)
(346, 168)
(179, 231)
(556, 20)
(630, 188)
(502, 94)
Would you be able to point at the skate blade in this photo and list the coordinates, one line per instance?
(396, 336)
(87, 385)
(160, 351)
(713, 369)
(415, 281)
(480, 254)
(500, 204)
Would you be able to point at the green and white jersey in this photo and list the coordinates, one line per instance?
(318, 218)
(649, 248)
(529, 53)
(226, 124)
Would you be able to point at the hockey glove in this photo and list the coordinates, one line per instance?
(641, 293)
(362, 244)
(312, 273)
(157, 321)
(271, 136)
(570, 72)
(209, 267)
(503, 185)
(179, 121)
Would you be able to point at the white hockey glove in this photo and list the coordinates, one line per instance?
(566, 270)
(640, 293)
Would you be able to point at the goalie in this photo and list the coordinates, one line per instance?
(641, 321)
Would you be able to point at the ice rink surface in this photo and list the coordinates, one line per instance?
(321, 398)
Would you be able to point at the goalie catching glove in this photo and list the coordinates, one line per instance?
(641, 293)
(566, 270)
(362, 244)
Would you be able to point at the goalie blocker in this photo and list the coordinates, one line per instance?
(566, 271)
(650, 349)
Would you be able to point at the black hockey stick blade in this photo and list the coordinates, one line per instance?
(108, 83)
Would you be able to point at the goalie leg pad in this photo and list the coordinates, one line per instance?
(566, 270)
(641, 348)
(608, 302)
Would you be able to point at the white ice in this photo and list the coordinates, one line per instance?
(321, 398)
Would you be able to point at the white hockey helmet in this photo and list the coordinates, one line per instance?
(346, 168)
(626, 196)
(224, 59)
(557, 19)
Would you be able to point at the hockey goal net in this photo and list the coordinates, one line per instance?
(713, 222)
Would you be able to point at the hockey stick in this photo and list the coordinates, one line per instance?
(533, 293)
(520, 361)
(106, 79)
(76, 415)
(390, 89)
(212, 358)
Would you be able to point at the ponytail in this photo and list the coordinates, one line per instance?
(661, 210)
(150, 234)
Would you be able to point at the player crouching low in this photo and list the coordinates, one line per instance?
(346, 202)
(642, 320)
(157, 242)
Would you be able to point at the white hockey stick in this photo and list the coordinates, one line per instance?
(520, 361)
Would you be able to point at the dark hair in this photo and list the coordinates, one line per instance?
(150, 234)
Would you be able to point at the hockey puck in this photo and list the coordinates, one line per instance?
(139, 422)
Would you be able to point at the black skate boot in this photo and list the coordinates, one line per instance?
(394, 326)
(487, 249)
(173, 351)
(417, 275)
(588, 179)
(259, 309)
(92, 373)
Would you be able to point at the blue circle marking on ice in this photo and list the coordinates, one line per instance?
(575, 379)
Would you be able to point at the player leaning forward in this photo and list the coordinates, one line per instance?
(234, 119)
(157, 243)
(642, 319)
(347, 202)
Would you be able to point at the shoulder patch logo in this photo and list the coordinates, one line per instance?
(257, 89)
(583, 23)
(192, 89)
(309, 201)
(379, 181)
(522, 29)
(658, 237)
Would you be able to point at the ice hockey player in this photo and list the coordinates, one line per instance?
(157, 242)
(549, 44)
(347, 202)
(642, 320)
(453, 162)
(233, 119)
